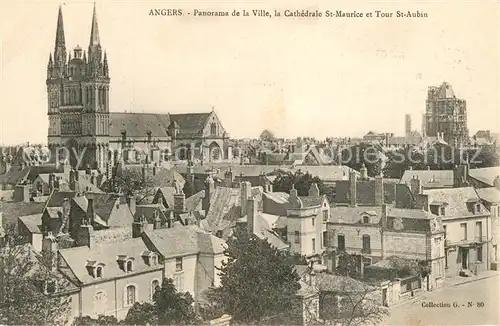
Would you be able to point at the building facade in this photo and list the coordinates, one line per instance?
(80, 121)
(447, 115)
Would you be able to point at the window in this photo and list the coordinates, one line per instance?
(179, 283)
(155, 286)
(341, 242)
(479, 231)
(366, 219)
(314, 245)
(130, 299)
(444, 229)
(129, 266)
(154, 260)
(98, 272)
(480, 253)
(325, 215)
(478, 208)
(297, 237)
(442, 211)
(325, 239)
(463, 227)
(366, 244)
(178, 264)
(313, 220)
(100, 303)
(213, 128)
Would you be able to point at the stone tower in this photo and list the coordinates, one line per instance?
(78, 101)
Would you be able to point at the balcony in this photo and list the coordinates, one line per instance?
(475, 240)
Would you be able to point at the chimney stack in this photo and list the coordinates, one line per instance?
(246, 194)
(251, 208)
(415, 186)
(179, 202)
(353, 179)
(209, 191)
(228, 178)
(90, 211)
(72, 180)
(156, 221)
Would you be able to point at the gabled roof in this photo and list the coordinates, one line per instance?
(490, 195)
(138, 124)
(190, 123)
(32, 222)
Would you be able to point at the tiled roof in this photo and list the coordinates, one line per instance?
(490, 195)
(163, 177)
(485, 175)
(354, 215)
(173, 242)
(190, 123)
(32, 222)
(12, 210)
(311, 201)
(456, 200)
(341, 284)
(430, 178)
(107, 254)
(365, 192)
(138, 124)
(208, 243)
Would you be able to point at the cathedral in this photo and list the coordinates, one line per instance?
(84, 131)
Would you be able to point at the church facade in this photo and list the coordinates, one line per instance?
(83, 130)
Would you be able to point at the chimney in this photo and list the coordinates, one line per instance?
(85, 236)
(179, 202)
(49, 248)
(190, 173)
(138, 226)
(379, 190)
(90, 211)
(313, 190)
(423, 202)
(132, 204)
(246, 194)
(353, 179)
(209, 191)
(364, 172)
(228, 179)
(72, 180)
(156, 221)
(251, 208)
(385, 212)
(415, 186)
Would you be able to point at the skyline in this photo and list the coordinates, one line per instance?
(275, 78)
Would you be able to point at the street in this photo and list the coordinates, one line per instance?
(474, 303)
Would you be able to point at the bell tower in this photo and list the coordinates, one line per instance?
(78, 100)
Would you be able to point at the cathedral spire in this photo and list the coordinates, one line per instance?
(60, 41)
(94, 32)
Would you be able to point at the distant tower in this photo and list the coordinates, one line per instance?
(407, 125)
(78, 99)
(424, 129)
(446, 114)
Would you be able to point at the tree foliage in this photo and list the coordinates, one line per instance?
(100, 320)
(302, 182)
(131, 182)
(267, 135)
(258, 283)
(27, 289)
(367, 154)
(169, 307)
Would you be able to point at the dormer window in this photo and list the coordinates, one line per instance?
(150, 258)
(366, 219)
(478, 208)
(94, 268)
(126, 263)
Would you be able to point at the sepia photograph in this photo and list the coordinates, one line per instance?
(249, 162)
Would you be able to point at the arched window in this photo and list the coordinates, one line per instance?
(98, 272)
(100, 303)
(130, 299)
(155, 286)
(213, 128)
(129, 266)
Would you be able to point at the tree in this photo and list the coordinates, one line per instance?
(169, 308)
(302, 182)
(101, 320)
(131, 182)
(368, 154)
(258, 283)
(28, 293)
(267, 135)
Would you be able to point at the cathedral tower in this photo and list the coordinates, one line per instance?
(78, 106)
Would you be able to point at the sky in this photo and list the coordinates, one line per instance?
(324, 77)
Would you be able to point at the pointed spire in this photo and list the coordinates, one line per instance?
(94, 33)
(60, 41)
(50, 58)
